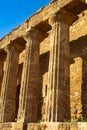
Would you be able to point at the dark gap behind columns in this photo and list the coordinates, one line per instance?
(20, 69)
(44, 64)
(78, 48)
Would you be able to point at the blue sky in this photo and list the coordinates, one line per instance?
(15, 12)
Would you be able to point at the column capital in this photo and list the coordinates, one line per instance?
(9, 48)
(12, 48)
(33, 33)
(53, 19)
(62, 16)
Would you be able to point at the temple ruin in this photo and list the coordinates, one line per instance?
(43, 70)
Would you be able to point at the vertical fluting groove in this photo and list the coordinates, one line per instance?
(29, 57)
(55, 71)
(57, 77)
(4, 84)
(25, 78)
(7, 84)
(51, 76)
(51, 99)
(9, 56)
(27, 111)
(2, 60)
(57, 80)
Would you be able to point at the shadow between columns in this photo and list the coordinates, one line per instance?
(20, 69)
(44, 64)
(78, 48)
(2, 62)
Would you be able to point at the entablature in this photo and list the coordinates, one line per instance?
(40, 19)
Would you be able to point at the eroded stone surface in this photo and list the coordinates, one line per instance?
(43, 126)
(21, 70)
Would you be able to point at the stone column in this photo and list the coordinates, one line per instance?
(2, 59)
(58, 93)
(9, 84)
(28, 102)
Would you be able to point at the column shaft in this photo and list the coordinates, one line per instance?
(28, 103)
(58, 100)
(2, 59)
(9, 84)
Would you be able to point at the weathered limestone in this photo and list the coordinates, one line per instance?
(9, 84)
(58, 93)
(44, 126)
(11, 126)
(57, 126)
(61, 89)
(2, 59)
(42, 15)
(28, 103)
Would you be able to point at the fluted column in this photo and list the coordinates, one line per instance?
(58, 93)
(28, 102)
(9, 84)
(2, 59)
